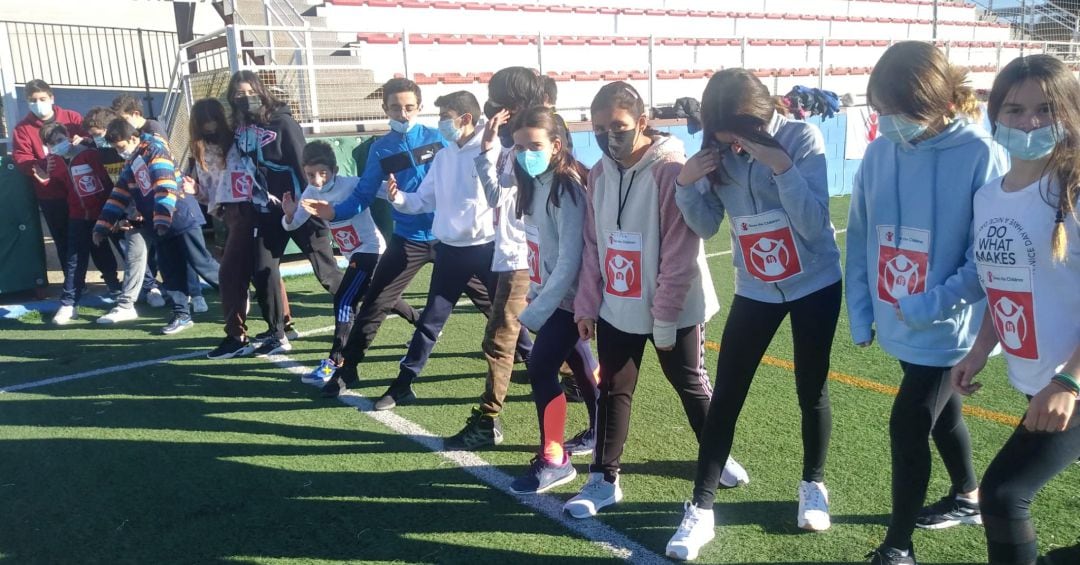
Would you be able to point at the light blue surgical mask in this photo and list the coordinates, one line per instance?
(534, 162)
(1028, 145)
(99, 141)
(42, 108)
(401, 127)
(126, 154)
(62, 148)
(450, 132)
(899, 129)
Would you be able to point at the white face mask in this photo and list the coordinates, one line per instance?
(42, 108)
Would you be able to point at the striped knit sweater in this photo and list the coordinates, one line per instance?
(150, 182)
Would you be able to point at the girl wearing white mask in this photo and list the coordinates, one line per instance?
(1028, 256)
(910, 277)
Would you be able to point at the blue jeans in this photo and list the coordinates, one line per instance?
(78, 250)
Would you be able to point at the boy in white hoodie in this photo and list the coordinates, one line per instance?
(463, 225)
(357, 238)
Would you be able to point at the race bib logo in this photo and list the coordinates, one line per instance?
(532, 241)
(346, 238)
(86, 183)
(903, 262)
(622, 265)
(1012, 308)
(142, 176)
(768, 246)
(242, 185)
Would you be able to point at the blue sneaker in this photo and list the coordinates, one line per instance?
(179, 323)
(323, 373)
(543, 476)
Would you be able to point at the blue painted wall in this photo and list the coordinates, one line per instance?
(841, 171)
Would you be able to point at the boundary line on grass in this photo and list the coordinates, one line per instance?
(874, 386)
(593, 530)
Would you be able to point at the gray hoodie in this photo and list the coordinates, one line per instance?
(782, 239)
(554, 238)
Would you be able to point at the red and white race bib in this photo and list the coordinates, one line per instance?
(241, 184)
(532, 240)
(903, 262)
(768, 246)
(1012, 307)
(346, 238)
(142, 176)
(86, 182)
(622, 264)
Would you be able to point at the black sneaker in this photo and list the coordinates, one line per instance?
(571, 390)
(261, 337)
(179, 323)
(543, 476)
(948, 512)
(481, 430)
(273, 346)
(231, 347)
(885, 555)
(340, 382)
(1062, 556)
(397, 394)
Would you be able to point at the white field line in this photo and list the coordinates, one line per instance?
(591, 529)
(728, 252)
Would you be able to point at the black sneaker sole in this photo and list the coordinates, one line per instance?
(975, 520)
(242, 352)
(407, 399)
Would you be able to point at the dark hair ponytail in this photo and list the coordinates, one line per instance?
(568, 172)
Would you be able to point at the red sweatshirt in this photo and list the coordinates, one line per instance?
(84, 179)
(27, 150)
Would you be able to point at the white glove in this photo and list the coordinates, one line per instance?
(663, 334)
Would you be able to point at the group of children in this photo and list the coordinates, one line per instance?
(960, 241)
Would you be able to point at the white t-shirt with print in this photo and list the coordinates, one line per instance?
(1033, 300)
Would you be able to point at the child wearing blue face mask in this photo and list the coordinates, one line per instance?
(550, 201)
(910, 274)
(357, 238)
(463, 223)
(405, 154)
(1026, 248)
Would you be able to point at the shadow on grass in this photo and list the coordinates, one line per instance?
(307, 493)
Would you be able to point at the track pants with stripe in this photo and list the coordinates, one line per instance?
(557, 340)
(354, 284)
(620, 356)
(750, 328)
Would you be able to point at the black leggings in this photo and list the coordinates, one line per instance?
(1023, 466)
(750, 328)
(620, 355)
(925, 406)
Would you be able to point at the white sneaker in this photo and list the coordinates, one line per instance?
(596, 494)
(696, 530)
(154, 298)
(198, 305)
(119, 314)
(814, 506)
(734, 474)
(65, 315)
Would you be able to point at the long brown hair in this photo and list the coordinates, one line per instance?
(736, 101)
(269, 102)
(915, 79)
(203, 112)
(567, 170)
(1062, 92)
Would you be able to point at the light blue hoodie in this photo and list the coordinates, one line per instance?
(928, 190)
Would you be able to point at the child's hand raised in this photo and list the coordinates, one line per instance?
(190, 186)
(491, 132)
(318, 208)
(392, 188)
(288, 205)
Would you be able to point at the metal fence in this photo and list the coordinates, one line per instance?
(1040, 20)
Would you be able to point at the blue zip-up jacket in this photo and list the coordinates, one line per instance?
(783, 220)
(926, 267)
(408, 156)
